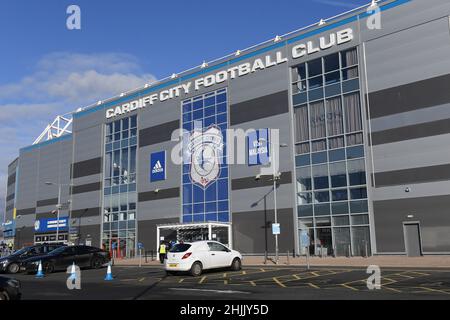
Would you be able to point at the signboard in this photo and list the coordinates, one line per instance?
(276, 228)
(304, 238)
(158, 166)
(9, 229)
(140, 245)
(258, 147)
(51, 224)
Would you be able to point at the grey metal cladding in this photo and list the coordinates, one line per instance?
(88, 143)
(11, 179)
(259, 108)
(87, 168)
(87, 212)
(24, 212)
(411, 96)
(157, 134)
(248, 231)
(251, 182)
(430, 211)
(147, 231)
(414, 175)
(416, 131)
(86, 188)
(161, 194)
(46, 202)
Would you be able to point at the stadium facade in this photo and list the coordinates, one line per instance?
(363, 113)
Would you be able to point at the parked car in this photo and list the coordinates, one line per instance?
(11, 264)
(202, 255)
(9, 289)
(61, 258)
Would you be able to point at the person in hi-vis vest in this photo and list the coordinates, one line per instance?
(162, 252)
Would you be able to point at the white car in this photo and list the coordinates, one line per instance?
(202, 255)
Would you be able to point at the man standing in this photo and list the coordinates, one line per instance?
(162, 252)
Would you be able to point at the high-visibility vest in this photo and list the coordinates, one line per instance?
(162, 248)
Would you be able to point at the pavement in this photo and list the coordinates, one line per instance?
(381, 261)
(251, 283)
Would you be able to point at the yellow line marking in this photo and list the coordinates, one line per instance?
(296, 276)
(384, 287)
(348, 287)
(202, 279)
(278, 282)
(224, 275)
(128, 279)
(141, 279)
(315, 273)
(225, 281)
(313, 285)
(420, 273)
(253, 283)
(433, 290)
(244, 272)
(181, 280)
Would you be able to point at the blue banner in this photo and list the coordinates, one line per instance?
(51, 224)
(258, 147)
(158, 166)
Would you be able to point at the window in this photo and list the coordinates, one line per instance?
(214, 246)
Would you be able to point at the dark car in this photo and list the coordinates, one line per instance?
(61, 258)
(9, 289)
(11, 263)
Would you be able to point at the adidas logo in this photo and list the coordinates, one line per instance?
(158, 167)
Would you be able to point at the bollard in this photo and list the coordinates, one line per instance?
(265, 257)
(307, 258)
(367, 255)
(287, 256)
(349, 252)
(146, 252)
(140, 258)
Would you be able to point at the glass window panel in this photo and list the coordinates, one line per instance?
(342, 241)
(316, 94)
(355, 152)
(321, 209)
(339, 208)
(331, 62)
(336, 155)
(133, 160)
(322, 196)
(339, 195)
(305, 223)
(318, 127)
(319, 157)
(352, 111)
(359, 206)
(301, 123)
(354, 139)
(338, 174)
(360, 219)
(323, 222)
(356, 172)
(350, 73)
(304, 211)
(319, 145)
(302, 148)
(315, 83)
(358, 193)
(349, 57)
(303, 160)
(133, 121)
(332, 78)
(304, 198)
(301, 71)
(361, 241)
(341, 221)
(125, 124)
(314, 67)
(304, 181)
(320, 176)
(335, 125)
(117, 126)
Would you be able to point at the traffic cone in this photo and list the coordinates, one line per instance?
(109, 276)
(73, 274)
(40, 274)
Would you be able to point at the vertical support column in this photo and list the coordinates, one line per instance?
(209, 231)
(157, 242)
(230, 237)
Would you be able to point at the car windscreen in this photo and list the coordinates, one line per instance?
(57, 251)
(180, 247)
(21, 251)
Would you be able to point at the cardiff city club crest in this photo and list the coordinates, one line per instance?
(205, 149)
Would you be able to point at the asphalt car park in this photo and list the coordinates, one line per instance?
(258, 283)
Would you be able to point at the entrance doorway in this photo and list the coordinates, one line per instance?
(413, 242)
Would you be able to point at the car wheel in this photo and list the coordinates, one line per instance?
(236, 264)
(196, 269)
(4, 296)
(13, 268)
(48, 267)
(96, 263)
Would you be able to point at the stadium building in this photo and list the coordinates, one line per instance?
(355, 115)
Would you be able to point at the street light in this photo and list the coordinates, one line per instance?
(59, 205)
(276, 176)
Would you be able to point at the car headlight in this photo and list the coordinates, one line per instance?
(13, 283)
(4, 262)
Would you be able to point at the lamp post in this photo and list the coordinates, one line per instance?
(276, 177)
(59, 205)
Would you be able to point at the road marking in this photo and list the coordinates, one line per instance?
(202, 279)
(315, 273)
(296, 276)
(225, 281)
(313, 285)
(278, 282)
(349, 287)
(124, 280)
(253, 283)
(434, 290)
(244, 272)
(262, 269)
(141, 279)
(181, 280)
(389, 288)
(224, 275)
(207, 290)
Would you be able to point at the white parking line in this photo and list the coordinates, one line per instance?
(206, 290)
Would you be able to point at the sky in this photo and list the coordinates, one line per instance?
(48, 70)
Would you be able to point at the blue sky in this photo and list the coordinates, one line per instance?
(46, 69)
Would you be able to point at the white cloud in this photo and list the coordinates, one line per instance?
(60, 83)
